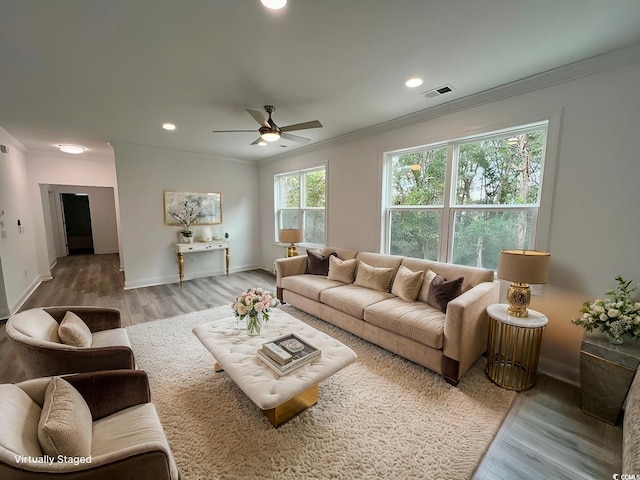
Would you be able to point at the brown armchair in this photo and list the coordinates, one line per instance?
(128, 441)
(34, 334)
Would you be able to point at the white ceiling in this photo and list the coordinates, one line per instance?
(93, 71)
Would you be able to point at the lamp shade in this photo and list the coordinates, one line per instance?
(290, 235)
(524, 266)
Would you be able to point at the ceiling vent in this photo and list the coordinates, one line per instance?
(436, 92)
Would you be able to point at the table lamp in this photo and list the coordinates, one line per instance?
(522, 267)
(291, 236)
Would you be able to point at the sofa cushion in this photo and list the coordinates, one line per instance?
(73, 331)
(472, 275)
(65, 422)
(37, 324)
(352, 299)
(342, 253)
(318, 264)
(373, 277)
(114, 337)
(442, 291)
(341, 270)
(19, 416)
(309, 286)
(406, 284)
(135, 429)
(418, 321)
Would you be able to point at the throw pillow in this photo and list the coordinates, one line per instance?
(65, 422)
(407, 284)
(73, 331)
(442, 291)
(423, 295)
(341, 270)
(318, 264)
(375, 278)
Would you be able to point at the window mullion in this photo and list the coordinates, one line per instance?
(446, 221)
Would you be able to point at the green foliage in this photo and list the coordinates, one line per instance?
(492, 171)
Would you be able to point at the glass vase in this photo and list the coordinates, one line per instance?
(614, 340)
(254, 325)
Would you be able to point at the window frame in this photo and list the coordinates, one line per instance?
(301, 209)
(538, 237)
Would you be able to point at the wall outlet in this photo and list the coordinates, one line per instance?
(1, 224)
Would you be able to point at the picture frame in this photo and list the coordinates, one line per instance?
(209, 203)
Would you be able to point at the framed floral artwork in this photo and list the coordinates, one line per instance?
(192, 208)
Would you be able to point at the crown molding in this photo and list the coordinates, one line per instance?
(572, 71)
(8, 138)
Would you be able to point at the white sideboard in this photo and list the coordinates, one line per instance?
(214, 246)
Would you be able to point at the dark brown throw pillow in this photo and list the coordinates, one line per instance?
(318, 264)
(442, 291)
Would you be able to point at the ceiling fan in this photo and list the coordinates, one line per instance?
(270, 132)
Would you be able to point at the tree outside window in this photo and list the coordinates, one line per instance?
(488, 202)
(300, 203)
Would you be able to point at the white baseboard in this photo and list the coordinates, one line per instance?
(105, 252)
(166, 279)
(15, 306)
(559, 371)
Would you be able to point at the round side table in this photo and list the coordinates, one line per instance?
(514, 347)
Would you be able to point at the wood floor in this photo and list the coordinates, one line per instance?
(545, 435)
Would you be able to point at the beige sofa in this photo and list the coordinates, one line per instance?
(447, 343)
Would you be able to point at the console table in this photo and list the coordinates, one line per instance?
(606, 373)
(216, 245)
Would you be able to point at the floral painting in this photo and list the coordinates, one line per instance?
(196, 207)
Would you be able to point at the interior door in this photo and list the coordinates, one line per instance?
(77, 223)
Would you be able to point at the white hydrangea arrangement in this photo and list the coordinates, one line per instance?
(614, 316)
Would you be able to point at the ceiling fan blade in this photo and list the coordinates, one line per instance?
(301, 126)
(295, 138)
(232, 131)
(258, 117)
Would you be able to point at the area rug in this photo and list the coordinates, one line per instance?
(381, 417)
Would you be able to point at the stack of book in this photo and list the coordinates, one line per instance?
(286, 354)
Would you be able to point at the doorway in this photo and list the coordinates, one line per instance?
(77, 223)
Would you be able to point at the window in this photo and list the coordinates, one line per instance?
(300, 203)
(465, 200)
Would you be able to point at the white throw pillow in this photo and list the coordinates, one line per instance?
(73, 331)
(65, 422)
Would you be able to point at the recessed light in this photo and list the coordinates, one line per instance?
(168, 126)
(262, 143)
(274, 4)
(74, 149)
(413, 82)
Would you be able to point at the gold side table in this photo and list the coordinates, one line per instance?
(514, 347)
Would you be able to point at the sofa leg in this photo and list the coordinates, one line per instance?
(279, 291)
(450, 370)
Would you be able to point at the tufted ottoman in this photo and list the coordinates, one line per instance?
(280, 398)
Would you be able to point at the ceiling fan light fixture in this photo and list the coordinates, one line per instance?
(269, 136)
(274, 4)
(73, 149)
